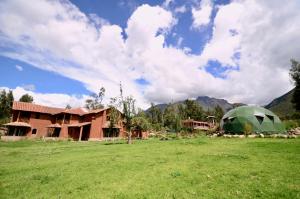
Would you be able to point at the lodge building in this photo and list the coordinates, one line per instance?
(32, 120)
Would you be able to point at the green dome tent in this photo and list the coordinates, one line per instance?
(254, 118)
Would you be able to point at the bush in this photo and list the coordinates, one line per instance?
(291, 124)
(247, 129)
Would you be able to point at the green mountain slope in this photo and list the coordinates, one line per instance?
(282, 105)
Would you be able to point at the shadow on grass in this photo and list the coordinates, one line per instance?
(114, 143)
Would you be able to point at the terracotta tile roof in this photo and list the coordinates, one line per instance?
(18, 124)
(24, 106)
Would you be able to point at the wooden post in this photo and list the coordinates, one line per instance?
(80, 135)
(15, 131)
(18, 116)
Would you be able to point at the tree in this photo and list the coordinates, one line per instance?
(218, 113)
(114, 114)
(128, 105)
(171, 117)
(26, 98)
(95, 101)
(6, 102)
(140, 124)
(295, 74)
(68, 106)
(193, 110)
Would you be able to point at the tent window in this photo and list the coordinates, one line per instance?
(260, 119)
(225, 120)
(232, 119)
(271, 118)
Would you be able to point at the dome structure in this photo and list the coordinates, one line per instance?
(251, 118)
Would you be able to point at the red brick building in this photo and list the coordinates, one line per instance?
(32, 120)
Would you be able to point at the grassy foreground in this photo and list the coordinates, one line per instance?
(187, 168)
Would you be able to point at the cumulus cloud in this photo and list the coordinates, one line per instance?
(201, 14)
(181, 9)
(254, 40)
(49, 99)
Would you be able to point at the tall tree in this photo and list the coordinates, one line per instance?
(26, 98)
(295, 74)
(128, 105)
(218, 113)
(68, 106)
(193, 110)
(171, 117)
(6, 102)
(95, 100)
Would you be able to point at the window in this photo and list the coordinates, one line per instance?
(260, 119)
(107, 117)
(231, 119)
(225, 120)
(67, 118)
(271, 118)
(33, 131)
(37, 115)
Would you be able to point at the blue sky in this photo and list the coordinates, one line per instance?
(160, 50)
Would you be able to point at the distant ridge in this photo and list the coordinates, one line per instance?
(282, 105)
(207, 103)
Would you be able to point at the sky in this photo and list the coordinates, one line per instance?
(61, 51)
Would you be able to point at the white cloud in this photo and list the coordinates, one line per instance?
(181, 9)
(226, 36)
(57, 37)
(29, 87)
(19, 68)
(201, 15)
(49, 99)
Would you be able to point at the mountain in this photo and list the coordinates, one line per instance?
(282, 105)
(210, 103)
(207, 103)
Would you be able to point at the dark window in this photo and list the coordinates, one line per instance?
(111, 132)
(232, 119)
(37, 115)
(271, 118)
(67, 118)
(225, 120)
(33, 131)
(260, 119)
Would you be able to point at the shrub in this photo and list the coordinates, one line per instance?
(291, 124)
(247, 129)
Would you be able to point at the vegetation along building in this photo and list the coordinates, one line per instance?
(32, 120)
(252, 119)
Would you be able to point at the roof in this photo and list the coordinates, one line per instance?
(25, 106)
(76, 111)
(23, 124)
(79, 124)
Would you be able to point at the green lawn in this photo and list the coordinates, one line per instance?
(187, 168)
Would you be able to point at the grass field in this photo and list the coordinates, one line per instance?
(187, 168)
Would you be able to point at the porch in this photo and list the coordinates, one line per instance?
(79, 131)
